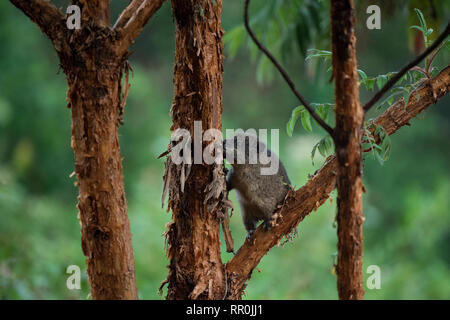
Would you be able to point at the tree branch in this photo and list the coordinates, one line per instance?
(405, 69)
(316, 191)
(286, 77)
(45, 15)
(139, 13)
(127, 13)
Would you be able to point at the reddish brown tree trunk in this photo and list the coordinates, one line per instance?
(196, 270)
(347, 140)
(94, 73)
(94, 99)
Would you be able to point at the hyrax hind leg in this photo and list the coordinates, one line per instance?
(249, 222)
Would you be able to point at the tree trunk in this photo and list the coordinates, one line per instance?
(196, 270)
(94, 99)
(93, 69)
(347, 140)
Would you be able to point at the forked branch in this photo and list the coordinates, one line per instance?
(316, 191)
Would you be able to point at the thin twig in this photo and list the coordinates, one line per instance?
(402, 72)
(261, 47)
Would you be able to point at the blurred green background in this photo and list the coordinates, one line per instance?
(406, 204)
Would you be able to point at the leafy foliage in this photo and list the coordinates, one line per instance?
(423, 26)
(409, 82)
(322, 109)
(380, 150)
(280, 24)
(325, 147)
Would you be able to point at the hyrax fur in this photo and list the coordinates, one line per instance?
(259, 194)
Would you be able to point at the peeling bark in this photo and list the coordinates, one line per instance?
(94, 74)
(94, 100)
(196, 270)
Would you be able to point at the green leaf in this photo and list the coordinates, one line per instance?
(366, 145)
(321, 148)
(313, 152)
(383, 149)
(421, 19)
(417, 75)
(379, 158)
(325, 146)
(322, 111)
(370, 84)
(423, 26)
(381, 81)
(405, 78)
(315, 53)
(306, 121)
(294, 116)
(363, 75)
(418, 28)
